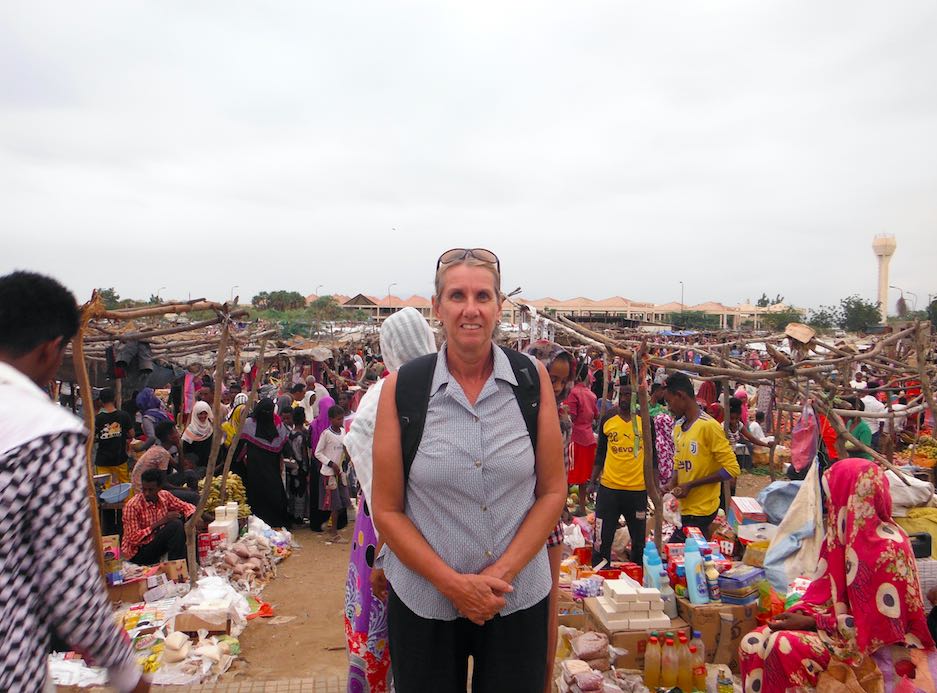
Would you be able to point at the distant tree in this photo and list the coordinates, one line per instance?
(110, 298)
(778, 321)
(932, 312)
(154, 300)
(764, 301)
(694, 320)
(278, 300)
(824, 317)
(901, 307)
(856, 313)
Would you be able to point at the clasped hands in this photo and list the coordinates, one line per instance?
(480, 597)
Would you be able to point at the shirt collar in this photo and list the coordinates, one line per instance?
(502, 369)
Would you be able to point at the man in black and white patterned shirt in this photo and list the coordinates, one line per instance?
(49, 579)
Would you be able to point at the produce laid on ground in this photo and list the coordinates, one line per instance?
(235, 492)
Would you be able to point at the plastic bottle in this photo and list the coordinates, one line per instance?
(652, 566)
(698, 643)
(668, 666)
(712, 579)
(652, 664)
(647, 551)
(679, 586)
(699, 669)
(684, 666)
(667, 595)
(695, 577)
(724, 681)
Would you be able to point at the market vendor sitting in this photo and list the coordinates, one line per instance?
(863, 611)
(153, 522)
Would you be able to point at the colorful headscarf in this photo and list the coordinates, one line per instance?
(867, 588)
(149, 405)
(261, 428)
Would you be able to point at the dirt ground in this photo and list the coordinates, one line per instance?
(310, 587)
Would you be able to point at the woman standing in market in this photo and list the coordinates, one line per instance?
(196, 438)
(863, 610)
(583, 411)
(466, 529)
(260, 458)
(404, 336)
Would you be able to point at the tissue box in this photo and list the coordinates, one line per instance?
(745, 511)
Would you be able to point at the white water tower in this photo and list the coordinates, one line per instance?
(883, 245)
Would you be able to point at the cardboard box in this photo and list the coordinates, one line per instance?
(706, 618)
(745, 511)
(634, 641)
(190, 623)
(128, 592)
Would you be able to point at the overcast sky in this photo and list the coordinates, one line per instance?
(598, 148)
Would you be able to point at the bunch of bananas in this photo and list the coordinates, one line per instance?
(927, 446)
(235, 492)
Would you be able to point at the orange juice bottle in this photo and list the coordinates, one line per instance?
(668, 666)
(684, 668)
(699, 669)
(652, 664)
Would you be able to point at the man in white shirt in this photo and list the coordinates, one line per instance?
(873, 406)
(329, 452)
(756, 429)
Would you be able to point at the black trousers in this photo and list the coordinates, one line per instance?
(508, 652)
(168, 539)
(610, 504)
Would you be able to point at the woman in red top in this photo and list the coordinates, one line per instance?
(583, 410)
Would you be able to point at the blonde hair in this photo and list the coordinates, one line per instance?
(471, 262)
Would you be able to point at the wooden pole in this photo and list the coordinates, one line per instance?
(229, 457)
(639, 378)
(191, 523)
(84, 384)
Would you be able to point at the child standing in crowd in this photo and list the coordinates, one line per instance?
(333, 496)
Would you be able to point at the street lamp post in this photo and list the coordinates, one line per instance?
(317, 289)
(157, 293)
(236, 286)
(390, 301)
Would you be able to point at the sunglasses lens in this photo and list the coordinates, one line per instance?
(485, 255)
(453, 255)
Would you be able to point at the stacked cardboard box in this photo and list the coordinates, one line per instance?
(626, 605)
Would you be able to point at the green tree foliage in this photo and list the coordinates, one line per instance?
(278, 300)
(932, 312)
(778, 321)
(824, 317)
(856, 313)
(694, 320)
(110, 298)
(764, 301)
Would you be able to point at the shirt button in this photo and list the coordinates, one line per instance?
(488, 554)
(478, 463)
(484, 508)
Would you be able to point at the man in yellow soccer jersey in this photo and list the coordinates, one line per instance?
(703, 457)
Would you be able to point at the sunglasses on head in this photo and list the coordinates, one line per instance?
(460, 254)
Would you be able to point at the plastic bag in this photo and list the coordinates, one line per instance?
(804, 439)
(672, 510)
(620, 543)
(769, 603)
(572, 536)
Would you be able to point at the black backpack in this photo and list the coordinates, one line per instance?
(414, 380)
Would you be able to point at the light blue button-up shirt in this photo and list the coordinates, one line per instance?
(471, 486)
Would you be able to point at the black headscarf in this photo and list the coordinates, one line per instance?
(263, 415)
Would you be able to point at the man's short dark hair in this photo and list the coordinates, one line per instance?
(336, 410)
(759, 416)
(163, 429)
(655, 387)
(299, 415)
(298, 387)
(680, 382)
(34, 309)
(735, 405)
(157, 476)
(106, 396)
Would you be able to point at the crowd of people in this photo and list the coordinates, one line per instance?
(457, 463)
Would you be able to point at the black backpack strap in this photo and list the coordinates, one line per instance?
(527, 391)
(414, 380)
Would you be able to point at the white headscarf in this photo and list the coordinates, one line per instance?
(196, 430)
(405, 335)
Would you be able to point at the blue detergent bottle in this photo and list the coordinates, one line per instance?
(652, 566)
(696, 587)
